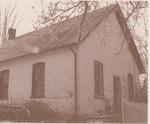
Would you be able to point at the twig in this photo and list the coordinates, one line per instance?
(146, 30)
(72, 12)
(84, 15)
(134, 9)
(66, 10)
(131, 4)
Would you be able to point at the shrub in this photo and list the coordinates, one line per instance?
(30, 111)
(40, 111)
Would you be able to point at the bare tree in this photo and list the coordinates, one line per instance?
(59, 11)
(8, 19)
(134, 12)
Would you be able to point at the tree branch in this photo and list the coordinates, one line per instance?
(134, 9)
(82, 21)
(131, 4)
(146, 30)
(66, 10)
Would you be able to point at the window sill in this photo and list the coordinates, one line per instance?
(99, 97)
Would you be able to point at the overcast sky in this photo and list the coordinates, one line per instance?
(24, 10)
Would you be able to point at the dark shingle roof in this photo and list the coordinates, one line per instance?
(55, 36)
(58, 35)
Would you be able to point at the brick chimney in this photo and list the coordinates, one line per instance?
(11, 33)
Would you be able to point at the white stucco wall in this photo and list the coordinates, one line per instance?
(103, 45)
(59, 78)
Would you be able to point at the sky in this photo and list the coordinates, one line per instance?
(24, 7)
(27, 15)
(24, 10)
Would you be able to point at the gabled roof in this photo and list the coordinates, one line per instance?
(129, 38)
(59, 35)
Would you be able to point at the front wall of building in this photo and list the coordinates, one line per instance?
(59, 79)
(104, 45)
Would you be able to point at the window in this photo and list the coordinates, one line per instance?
(4, 81)
(130, 87)
(38, 77)
(98, 75)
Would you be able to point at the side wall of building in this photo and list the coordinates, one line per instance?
(108, 45)
(104, 45)
(59, 79)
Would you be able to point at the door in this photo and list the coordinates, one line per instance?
(130, 87)
(117, 93)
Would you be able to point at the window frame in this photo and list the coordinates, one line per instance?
(5, 86)
(36, 83)
(130, 98)
(98, 80)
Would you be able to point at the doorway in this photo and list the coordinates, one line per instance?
(117, 93)
(130, 87)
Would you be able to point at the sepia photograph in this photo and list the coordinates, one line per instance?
(74, 61)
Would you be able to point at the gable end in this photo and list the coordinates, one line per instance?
(129, 38)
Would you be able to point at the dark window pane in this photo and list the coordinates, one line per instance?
(98, 75)
(4, 82)
(38, 77)
(130, 86)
